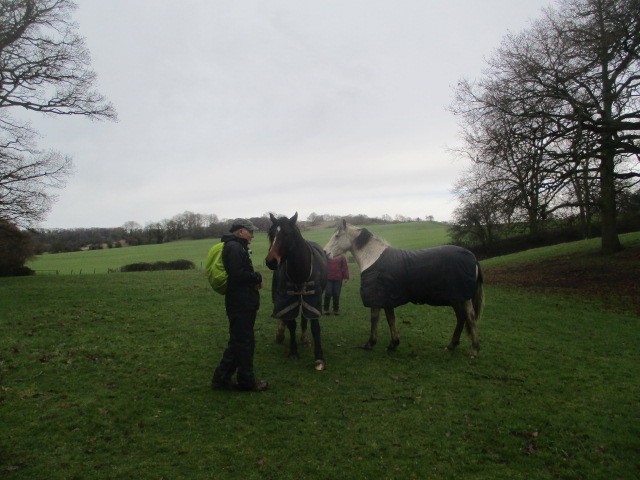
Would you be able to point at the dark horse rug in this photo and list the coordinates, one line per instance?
(435, 276)
(288, 297)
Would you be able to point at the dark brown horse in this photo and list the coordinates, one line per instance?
(299, 278)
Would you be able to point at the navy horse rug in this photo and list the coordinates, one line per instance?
(288, 296)
(436, 276)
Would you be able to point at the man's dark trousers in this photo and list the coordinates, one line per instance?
(239, 352)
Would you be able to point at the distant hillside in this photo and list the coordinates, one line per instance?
(401, 235)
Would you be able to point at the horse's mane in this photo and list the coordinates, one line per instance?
(365, 237)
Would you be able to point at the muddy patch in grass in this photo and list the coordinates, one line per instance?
(615, 279)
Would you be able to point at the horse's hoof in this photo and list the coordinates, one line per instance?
(452, 346)
(320, 365)
(367, 346)
(393, 346)
(280, 339)
(473, 355)
(295, 357)
(306, 343)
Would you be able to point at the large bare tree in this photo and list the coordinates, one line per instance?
(44, 67)
(576, 71)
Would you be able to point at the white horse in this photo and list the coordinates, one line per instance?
(390, 277)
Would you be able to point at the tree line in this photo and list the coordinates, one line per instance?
(186, 225)
(17, 245)
(552, 127)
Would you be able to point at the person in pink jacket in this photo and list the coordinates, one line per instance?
(337, 272)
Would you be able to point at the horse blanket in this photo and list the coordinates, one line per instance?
(435, 276)
(288, 297)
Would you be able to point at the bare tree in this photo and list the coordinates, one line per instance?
(26, 175)
(131, 226)
(509, 153)
(578, 71)
(482, 209)
(44, 67)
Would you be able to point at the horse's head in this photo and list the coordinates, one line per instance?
(341, 241)
(280, 235)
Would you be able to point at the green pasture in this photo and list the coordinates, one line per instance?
(108, 376)
(102, 261)
(409, 235)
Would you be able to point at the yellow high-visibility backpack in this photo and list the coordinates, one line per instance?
(215, 269)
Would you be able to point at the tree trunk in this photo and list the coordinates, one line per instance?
(610, 241)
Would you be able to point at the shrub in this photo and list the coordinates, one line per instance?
(16, 247)
(16, 271)
(181, 265)
(148, 267)
(137, 267)
(160, 266)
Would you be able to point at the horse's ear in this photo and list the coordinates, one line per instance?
(344, 224)
(273, 219)
(294, 219)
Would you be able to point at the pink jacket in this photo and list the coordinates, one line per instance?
(337, 268)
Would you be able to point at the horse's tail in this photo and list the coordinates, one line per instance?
(478, 297)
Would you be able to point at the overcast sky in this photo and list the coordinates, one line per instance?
(243, 107)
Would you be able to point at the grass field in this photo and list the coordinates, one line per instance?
(107, 376)
(411, 235)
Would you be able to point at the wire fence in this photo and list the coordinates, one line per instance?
(47, 272)
(90, 271)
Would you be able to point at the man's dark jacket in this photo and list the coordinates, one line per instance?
(241, 293)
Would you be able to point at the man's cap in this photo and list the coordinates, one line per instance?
(239, 223)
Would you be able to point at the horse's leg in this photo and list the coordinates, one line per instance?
(459, 309)
(472, 329)
(304, 338)
(317, 344)
(466, 318)
(373, 337)
(293, 344)
(391, 320)
(280, 333)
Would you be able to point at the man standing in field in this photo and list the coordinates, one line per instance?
(242, 302)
